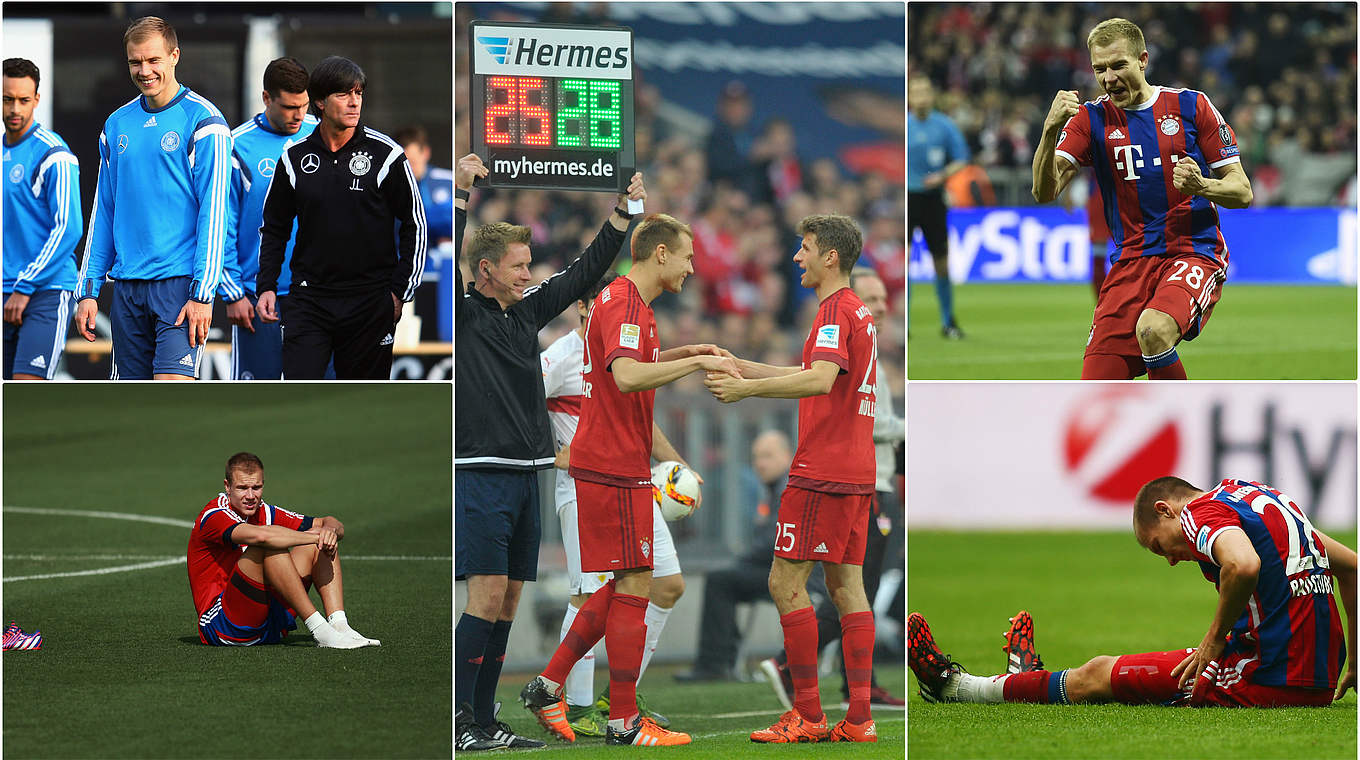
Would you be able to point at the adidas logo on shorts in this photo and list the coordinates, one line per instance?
(386, 341)
(821, 549)
(39, 362)
(187, 361)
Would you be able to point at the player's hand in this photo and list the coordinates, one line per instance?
(706, 349)
(563, 459)
(199, 317)
(241, 313)
(14, 308)
(268, 306)
(725, 387)
(1194, 663)
(934, 179)
(470, 167)
(720, 364)
(85, 313)
(1066, 104)
(636, 191)
(396, 309)
(1186, 176)
(1347, 682)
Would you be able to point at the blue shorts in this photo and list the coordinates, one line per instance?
(214, 628)
(146, 341)
(34, 347)
(257, 355)
(495, 523)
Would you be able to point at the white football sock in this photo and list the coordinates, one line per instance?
(326, 634)
(338, 620)
(656, 621)
(965, 687)
(580, 684)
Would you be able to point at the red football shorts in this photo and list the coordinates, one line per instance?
(615, 526)
(829, 527)
(1146, 678)
(1183, 287)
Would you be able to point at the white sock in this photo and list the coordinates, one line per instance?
(580, 684)
(656, 621)
(338, 621)
(964, 687)
(315, 621)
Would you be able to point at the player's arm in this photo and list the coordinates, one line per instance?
(98, 245)
(403, 199)
(631, 375)
(276, 226)
(240, 312)
(664, 451)
(1229, 187)
(697, 349)
(61, 192)
(1239, 567)
(271, 536)
(1052, 176)
(813, 381)
(1342, 560)
(212, 186)
(469, 168)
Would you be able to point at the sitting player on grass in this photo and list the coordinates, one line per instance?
(1275, 639)
(251, 564)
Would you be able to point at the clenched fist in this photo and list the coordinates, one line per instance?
(1186, 176)
(1065, 106)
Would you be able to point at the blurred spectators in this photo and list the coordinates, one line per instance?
(1284, 76)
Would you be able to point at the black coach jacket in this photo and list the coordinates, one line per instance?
(501, 417)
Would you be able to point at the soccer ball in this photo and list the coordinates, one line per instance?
(676, 490)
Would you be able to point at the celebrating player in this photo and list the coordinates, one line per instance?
(610, 461)
(251, 564)
(564, 388)
(42, 226)
(824, 511)
(1151, 147)
(1275, 639)
(257, 345)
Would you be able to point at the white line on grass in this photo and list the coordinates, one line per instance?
(106, 515)
(100, 571)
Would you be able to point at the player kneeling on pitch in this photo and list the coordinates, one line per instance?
(1275, 639)
(251, 564)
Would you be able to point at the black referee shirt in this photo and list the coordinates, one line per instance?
(345, 203)
(501, 417)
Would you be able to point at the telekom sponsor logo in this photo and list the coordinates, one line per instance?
(1117, 438)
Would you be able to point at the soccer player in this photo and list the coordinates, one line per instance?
(257, 345)
(251, 564)
(346, 186)
(160, 215)
(42, 226)
(435, 183)
(936, 151)
(564, 389)
(1151, 148)
(1275, 639)
(824, 511)
(623, 366)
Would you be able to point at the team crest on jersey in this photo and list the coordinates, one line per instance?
(169, 141)
(1170, 124)
(122, 143)
(829, 336)
(646, 547)
(16, 173)
(266, 167)
(630, 336)
(360, 163)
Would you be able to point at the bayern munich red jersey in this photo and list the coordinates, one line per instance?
(836, 430)
(1291, 624)
(1134, 153)
(613, 443)
(212, 558)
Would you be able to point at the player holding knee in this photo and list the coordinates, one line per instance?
(251, 564)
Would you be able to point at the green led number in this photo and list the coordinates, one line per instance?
(606, 117)
(573, 112)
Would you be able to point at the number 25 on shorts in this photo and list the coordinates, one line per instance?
(784, 531)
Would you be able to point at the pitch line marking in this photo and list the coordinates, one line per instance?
(100, 571)
(105, 515)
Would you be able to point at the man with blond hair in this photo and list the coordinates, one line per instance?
(1152, 148)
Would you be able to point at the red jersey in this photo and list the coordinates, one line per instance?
(213, 556)
(1134, 152)
(836, 429)
(1291, 628)
(613, 443)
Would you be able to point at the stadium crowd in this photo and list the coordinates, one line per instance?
(1284, 76)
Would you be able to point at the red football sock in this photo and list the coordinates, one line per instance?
(1169, 372)
(624, 642)
(1039, 686)
(800, 642)
(1107, 367)
(857, 646)
(587, 629)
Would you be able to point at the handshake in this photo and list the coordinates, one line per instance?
(722, 372)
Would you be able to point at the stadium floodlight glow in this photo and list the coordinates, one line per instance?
(552, 105)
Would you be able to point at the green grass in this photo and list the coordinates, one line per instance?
(121, 672)
(719, 716)
(1038, 332)
(1090, 594)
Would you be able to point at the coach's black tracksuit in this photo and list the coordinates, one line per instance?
(346, 264)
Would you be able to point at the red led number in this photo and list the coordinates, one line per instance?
(502, 120)
(516, 112)
(534, 118)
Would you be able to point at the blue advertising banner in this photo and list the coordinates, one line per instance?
(1314, 246)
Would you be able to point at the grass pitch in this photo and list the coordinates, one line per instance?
(1039, 331)
(1090, 594)
(121, 672)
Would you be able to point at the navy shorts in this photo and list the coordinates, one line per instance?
(146, 341)
(495, 524)
(257, 355)
(214, 628)
(34, 348)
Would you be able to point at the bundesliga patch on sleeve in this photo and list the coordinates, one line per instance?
(630, 336)
(829, 336)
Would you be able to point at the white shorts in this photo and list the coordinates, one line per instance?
(664, 560)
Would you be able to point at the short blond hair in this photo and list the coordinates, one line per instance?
(150, 26)
(1111, 29)
(491, 241)
(658, 229)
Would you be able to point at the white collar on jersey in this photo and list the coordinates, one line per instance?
(1156, 90)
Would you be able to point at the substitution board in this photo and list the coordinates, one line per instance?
(552, 105)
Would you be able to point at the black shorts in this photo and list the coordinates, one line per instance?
(927, 211)
(356, 331)
(495, 524)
